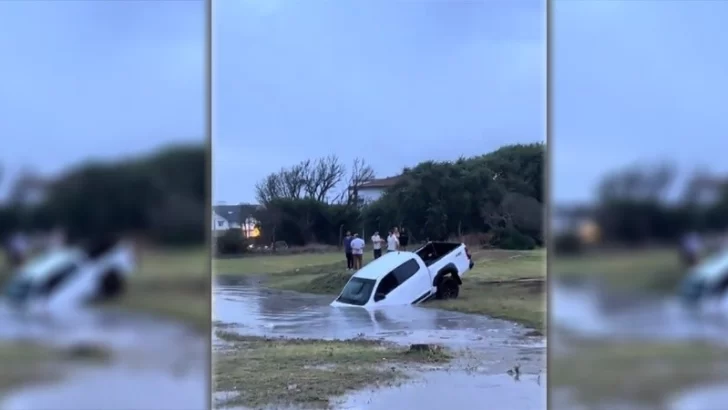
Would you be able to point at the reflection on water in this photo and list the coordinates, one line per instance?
(703, 398)
(493, 346)
(588, 310)
(146, 370)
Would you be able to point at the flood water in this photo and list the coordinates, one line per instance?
(587, 310)
(478, 379)
(146, 370)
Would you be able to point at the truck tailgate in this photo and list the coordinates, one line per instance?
(459, 257)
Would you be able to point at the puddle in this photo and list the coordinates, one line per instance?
(588, 311)
(146, 371)
(704, 398)
(489, 347)
(440, 390)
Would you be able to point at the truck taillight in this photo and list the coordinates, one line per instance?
(467, 253)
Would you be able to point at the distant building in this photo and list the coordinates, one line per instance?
(239, 216)
(372, 190)
(219, 223)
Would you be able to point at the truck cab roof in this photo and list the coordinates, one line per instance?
(713, 269)
(41, 266)
(383, 265)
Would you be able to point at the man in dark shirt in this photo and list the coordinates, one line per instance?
(403, 239)
(347, 251)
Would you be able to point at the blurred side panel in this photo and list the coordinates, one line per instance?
(104, 275)
(638, 262)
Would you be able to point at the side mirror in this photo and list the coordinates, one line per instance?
(379, 297)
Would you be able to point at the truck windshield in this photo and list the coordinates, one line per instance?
(357, 291)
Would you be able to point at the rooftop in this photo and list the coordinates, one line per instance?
(381, 182)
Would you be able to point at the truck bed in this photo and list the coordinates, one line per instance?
(434, 251)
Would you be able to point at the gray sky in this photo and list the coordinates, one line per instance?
(98, 78)
(636, 80)
(394, 82)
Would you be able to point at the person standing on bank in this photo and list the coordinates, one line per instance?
(377, 245)
(347, 251)
(392, 242)
(403, 239)
(357, 250)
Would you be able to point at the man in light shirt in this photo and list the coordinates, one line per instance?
(392, 242)
(357, 250)
(377, 244)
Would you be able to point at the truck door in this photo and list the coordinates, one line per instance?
(404, 284)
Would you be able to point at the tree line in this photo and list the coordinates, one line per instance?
(160, 197)
(644, 204)
(496, 197)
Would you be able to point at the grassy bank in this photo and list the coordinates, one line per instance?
(504, 284)
(172, 283)
(259, 372)
(643, 373)
(650, 270)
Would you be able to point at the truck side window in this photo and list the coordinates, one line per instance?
(406, 270)
(398, 276)
(388, 284)
(57, 278)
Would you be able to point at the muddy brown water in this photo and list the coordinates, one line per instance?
(145, 370)
(589, 311)
(477, 379)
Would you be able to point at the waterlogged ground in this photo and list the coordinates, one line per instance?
(481, 374)
(147, 364)
(632, 351)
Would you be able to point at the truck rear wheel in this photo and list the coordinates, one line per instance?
(448, 289)
(112, 285)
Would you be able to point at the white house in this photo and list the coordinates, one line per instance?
(219, 223)
(372, 190)
(230, 219)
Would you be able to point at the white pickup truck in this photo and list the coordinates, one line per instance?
(71, 276)
(402, 278)
(708, 280)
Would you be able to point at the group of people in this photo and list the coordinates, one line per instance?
(354, 246)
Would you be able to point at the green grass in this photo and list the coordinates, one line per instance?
(649, 270)
(265, 265)
(504, 284)
(172, 283)
(643, 373)
(508, 285)
(307, 373)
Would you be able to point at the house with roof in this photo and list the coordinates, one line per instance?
(239, 216)
(219, 224)
(374, 189)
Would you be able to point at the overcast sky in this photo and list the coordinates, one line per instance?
(394, 82)
(106, 79)
(636, 80)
